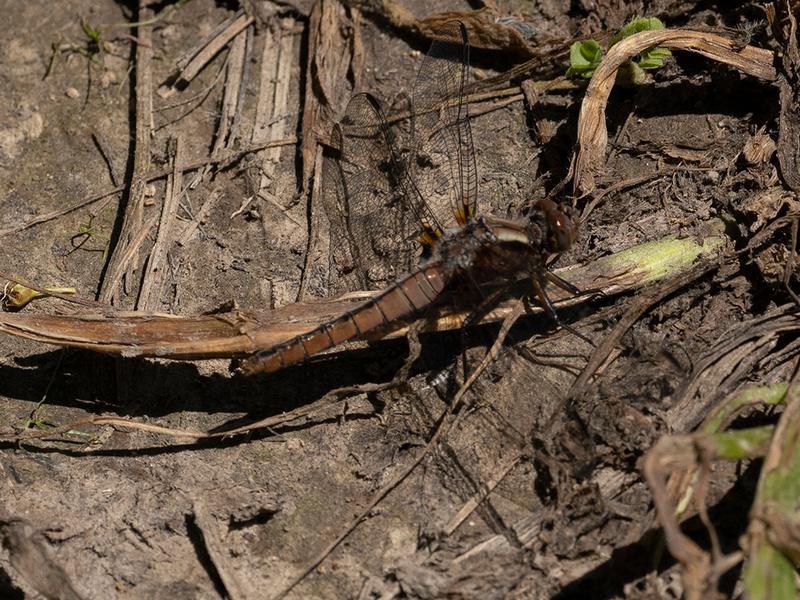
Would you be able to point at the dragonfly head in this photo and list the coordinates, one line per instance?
(560, 225)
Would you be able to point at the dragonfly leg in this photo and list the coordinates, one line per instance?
(538, 287)
(486, 304)
(562, 283)
(568, 287)
(414, 350)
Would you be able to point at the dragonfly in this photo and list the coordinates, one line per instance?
(401, 196)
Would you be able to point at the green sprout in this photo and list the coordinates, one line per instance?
(91, 48)
(91, 33)
(585, 56)
(637, 26)
(86, 232)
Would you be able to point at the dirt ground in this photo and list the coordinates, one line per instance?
(564, 511)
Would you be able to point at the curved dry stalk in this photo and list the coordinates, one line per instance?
(236, 333)
(592, 131)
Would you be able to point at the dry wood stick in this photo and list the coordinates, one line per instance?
(117, 268)
(154, 275)
(200, 56)
(273, 96)
(200, 61)
(239, 332)
(192, 53)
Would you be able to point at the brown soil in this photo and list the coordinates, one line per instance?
(136, 514)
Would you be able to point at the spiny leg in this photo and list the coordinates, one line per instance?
(562, 283)
(570, 288)
(486, 304)
(538, 287)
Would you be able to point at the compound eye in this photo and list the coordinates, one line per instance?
(561, 231)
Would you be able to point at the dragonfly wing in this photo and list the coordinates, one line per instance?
(444, 167)
(374, 223)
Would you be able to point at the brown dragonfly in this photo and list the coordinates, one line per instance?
(401, 195)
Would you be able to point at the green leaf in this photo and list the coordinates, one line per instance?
(653, 58)
(637, 26)
(583, 58)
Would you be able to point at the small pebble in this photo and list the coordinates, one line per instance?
(71, 92)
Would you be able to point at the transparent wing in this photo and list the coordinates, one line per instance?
(443, 166)
(390, 189)
(376, 212)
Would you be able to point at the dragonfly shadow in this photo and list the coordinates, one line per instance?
(89, 381)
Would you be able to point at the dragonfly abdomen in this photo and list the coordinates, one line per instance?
(409, 295)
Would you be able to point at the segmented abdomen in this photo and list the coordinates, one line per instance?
(409, 295)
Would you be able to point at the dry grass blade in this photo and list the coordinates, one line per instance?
(592, 131)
